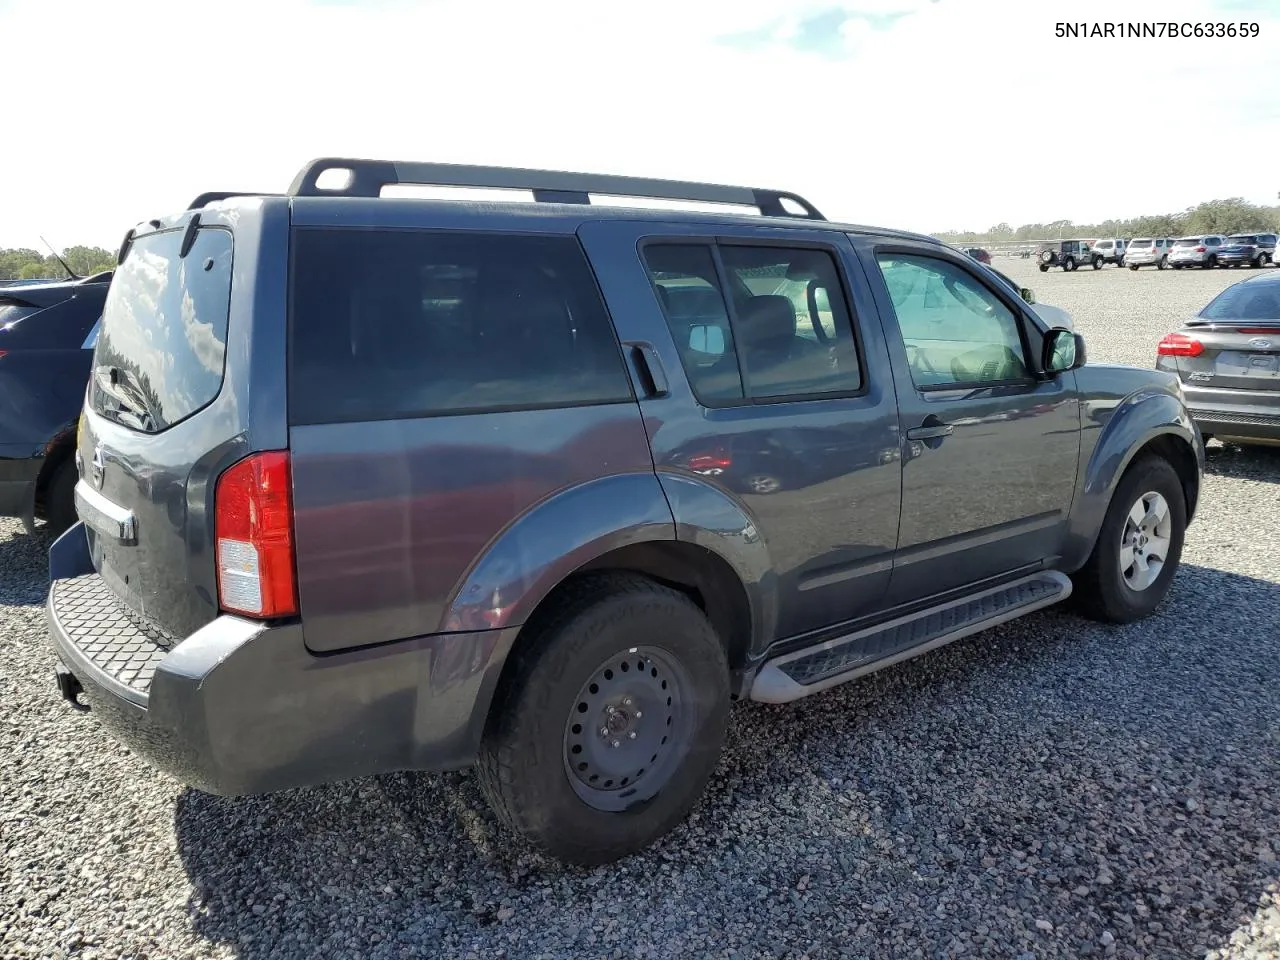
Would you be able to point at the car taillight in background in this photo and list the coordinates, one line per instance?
(253, 523)
(1179, 345)
(710, 464)
(1201, 249)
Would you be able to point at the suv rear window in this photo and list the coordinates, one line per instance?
(1104, 244)
(1188, 242)
(161, 346)
(387, 324)
(1140, 242)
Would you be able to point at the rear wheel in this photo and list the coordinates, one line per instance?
(1211, 262)
(1164, 262)
(1069, 264)
(1133, 266)
(1044, 268)
(611, 723)
(60, 499)
(1138, 547)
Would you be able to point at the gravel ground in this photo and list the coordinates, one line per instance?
(1048, 789)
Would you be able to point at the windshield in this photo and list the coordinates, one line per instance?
(1245, 301)
(159, 355)
(1189, 242)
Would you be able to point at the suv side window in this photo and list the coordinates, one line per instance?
(795, 335)
(406, 323)
(789, 333)
(688, 287)
(957, 332)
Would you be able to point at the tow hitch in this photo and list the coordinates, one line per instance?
(69, 687)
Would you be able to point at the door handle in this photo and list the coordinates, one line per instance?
(652, 377)
(930, 431)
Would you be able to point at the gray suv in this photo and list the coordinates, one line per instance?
(370, 484)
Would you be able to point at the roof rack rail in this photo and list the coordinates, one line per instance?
(366, 178)
(213, 196)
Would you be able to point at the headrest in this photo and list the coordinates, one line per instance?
(768, 318)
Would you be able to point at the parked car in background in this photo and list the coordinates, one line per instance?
(1248, 250)
(1068, 254)
(543, 488)
(1111, 249)
(1228, 358)
(1198, 251)
(46, 342)
(979, 254)
(1148, 252)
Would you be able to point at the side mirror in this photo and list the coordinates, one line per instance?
(706, 338)
(1063, 350)
(1028, 295)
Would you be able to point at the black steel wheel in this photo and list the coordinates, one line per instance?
(609, 719)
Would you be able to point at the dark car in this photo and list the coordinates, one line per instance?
(1247, 250)
(428, 484)
(46, 341)
(1068, 254)
(1228, 358)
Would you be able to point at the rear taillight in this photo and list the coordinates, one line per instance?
(1201, 249)
(253, 524)
(1179, 345)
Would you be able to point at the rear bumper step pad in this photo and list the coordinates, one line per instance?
(804, 672)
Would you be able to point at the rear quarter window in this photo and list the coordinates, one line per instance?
(161, 346)
(390, 324)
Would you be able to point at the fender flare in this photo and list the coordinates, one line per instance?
(1136, 421)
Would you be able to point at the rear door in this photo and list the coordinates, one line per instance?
(168, 405)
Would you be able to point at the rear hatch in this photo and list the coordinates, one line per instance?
(1234, 343)
(158, 426)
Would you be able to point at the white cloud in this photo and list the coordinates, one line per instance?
(959, 114)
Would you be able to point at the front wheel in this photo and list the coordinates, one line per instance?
(1138, 546)
(1211, 262)
(1097, 263)
(611, 722)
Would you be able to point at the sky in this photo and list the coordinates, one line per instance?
(919, 114)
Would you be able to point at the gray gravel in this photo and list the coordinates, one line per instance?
(1048, 789)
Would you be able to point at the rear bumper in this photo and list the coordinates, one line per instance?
(241, 707)
(1235, 413)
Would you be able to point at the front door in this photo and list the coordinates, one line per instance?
(991, 450)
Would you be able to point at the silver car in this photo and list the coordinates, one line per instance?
(1148, 252)
(1198, 251)
(1228, 358)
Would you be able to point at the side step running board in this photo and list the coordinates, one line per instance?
(813, 669)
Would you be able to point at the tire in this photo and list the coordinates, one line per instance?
(1177, 266)
(1069, 264)
(573, 661)
(1044, 268)
(1211, 262)
(1133, 266)
(1164, 262)
(1097, 263)
(1103, 592)
(59, 499)
(1256, 262)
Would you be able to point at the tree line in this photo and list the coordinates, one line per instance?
(21, 263)
(1233, 215)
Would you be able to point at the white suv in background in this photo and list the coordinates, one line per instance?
(1148, 252)
(1112, 250)
(1198, 251)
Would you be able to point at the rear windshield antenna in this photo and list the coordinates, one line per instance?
(71, 274)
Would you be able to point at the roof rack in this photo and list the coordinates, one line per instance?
(366, 178)
(213, 196)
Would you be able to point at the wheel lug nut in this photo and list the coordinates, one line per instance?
(611, 710)
(604, 731)
(626, 701)
(617, 743)
(632, 735)
(639, 714)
